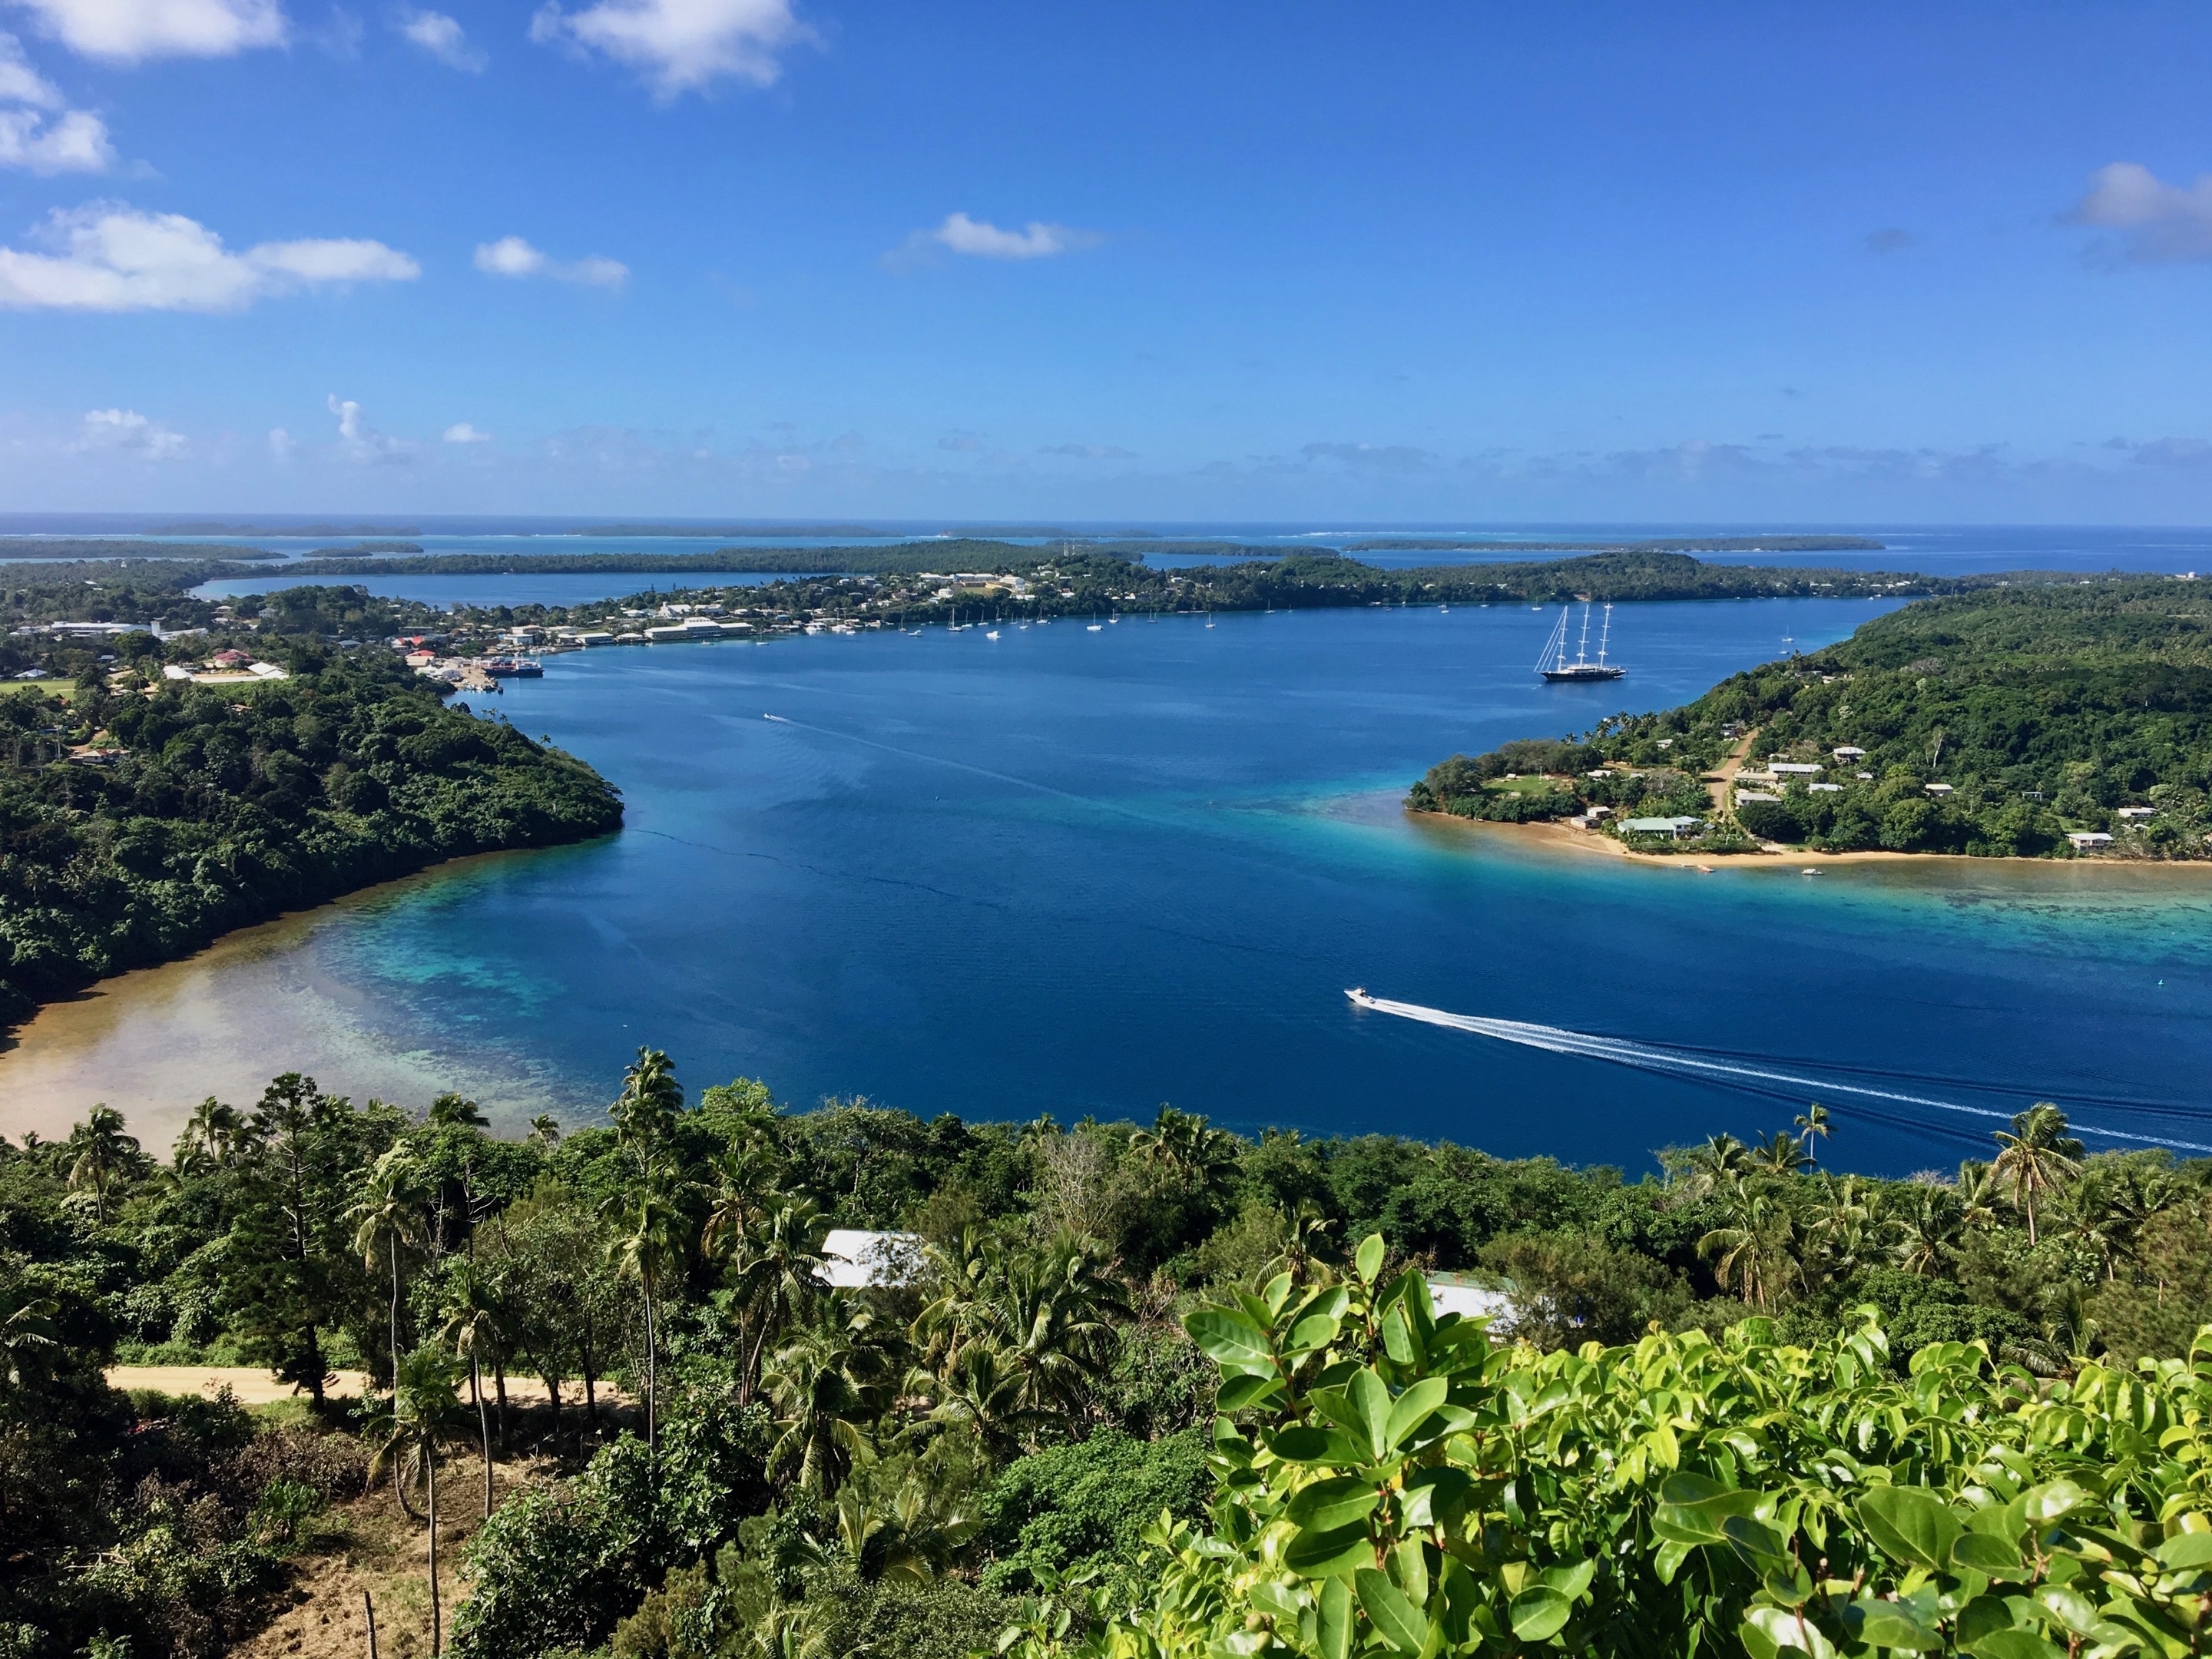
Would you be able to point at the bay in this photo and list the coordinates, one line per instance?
(1077, 872)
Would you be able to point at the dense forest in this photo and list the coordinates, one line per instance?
(141, 816)
(1116, 1390)
(1998, 722)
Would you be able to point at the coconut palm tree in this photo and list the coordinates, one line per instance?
(213, 1137)
(1780, 1155)
(101, 1157)
(387, 1219)
(1756, 1254)
(1722, 1162)
(648, 1246)
(1848, 1231)
(824, 1384)
(472, 1326)
(1185, 1144)
(422, 1417)
(28, 1337)
(979, 1389)
(645, 1112)
(1812, 1121)
(776, 1275)
(454, 1111)
(1054, 1312)
(1928, 1219)
(2039, 1157)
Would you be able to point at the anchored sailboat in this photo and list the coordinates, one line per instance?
(1554, 665)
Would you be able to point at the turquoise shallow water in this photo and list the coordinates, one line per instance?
(1073, 872)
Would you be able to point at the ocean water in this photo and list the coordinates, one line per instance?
(1080, 872)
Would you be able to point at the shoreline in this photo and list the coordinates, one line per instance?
(1774, 856)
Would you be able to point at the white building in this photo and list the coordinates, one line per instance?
(854, 1259)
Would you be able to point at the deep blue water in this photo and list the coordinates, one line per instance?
(1081, 872)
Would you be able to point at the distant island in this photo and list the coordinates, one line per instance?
(116, 547)
(204, 527)
(2050, 719)
(1671, 544)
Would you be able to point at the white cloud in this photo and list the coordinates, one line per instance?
(126, 31)
(462, 433)
(443, 37)
(979, 239)
(110, 257)
(511, 256)
(75, 142)
(681, 46)
(1090, 452)
(2161, 223)
(360, 441)
(126, 431)
(283, 445)
(37, 132)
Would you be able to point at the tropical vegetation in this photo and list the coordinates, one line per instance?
(1113, 1388)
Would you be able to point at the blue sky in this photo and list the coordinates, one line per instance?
(797, 259)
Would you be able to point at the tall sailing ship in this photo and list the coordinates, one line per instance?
(1558, 670)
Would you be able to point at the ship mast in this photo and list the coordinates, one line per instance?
(1605, 633)
(1581, 645)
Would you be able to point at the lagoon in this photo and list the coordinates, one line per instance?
(1074, 872)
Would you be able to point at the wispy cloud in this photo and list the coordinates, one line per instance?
(1373, 458)
(978, 238)
(2159, 224)
(443, 37)
(362, 443)
(110, 257)
(127, 31)
(681, 46)
(1090, 452)
(462, 433)
(511, 256)
(38, 131)
(125, 431)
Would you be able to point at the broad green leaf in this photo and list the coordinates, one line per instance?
(1409, 1571)
(1231, 1339)
(1982, 1616)
(1413, 1408)
(2049, 1502)
(1241, 1393)
(1333, 1628)
(1539, 1612)
(2185, 1550)
(1316, 1330)
(1761, 1547)
(1769, 1632)
(1691, 1508)
(1395, 1619)
(1369, 1397)
(1889, 1624)
(1398, 1337)
(1571, 1582)
(1328, 1504)
(1667, 1560)
(1329, 1554)
(1982, 1553)
(2013, 1644)
(1911, 1523)
(1369, 1260)
(2068, 1606)
(1432, 1495)
(1305, 1444)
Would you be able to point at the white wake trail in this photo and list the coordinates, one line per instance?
(1645, 1057)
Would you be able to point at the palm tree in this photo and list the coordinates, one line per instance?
(2039, 1155)
(28, 1337)
(1980, 1194)
(212, 1137)
(1928, 1219)
(650, 1249)
(453, 1111)
(646, 1111)
(1756, 1252)
(1847, 1230)
(102, 1156)
(777, 1275)
(1720, 1162)
(545, 1132)
(744, 1189)
(422, 1417)
(1054, 1312)
(472, 1326)
(1186, 1145)
(824, 1384)
(980, 1388)
(1813, 1121)
(387, 1219)
(1780, 1155)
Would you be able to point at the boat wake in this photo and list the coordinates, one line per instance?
(1744, 1073)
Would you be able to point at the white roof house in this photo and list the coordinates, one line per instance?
(1672, 828)
(1793, 768)
(1848, 752)
(2138, 812)
(854, 1259)
(2089, 838)
(1448, 1295)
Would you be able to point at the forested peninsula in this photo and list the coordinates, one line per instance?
(2056, 718)
(1108, 1390)
(158, 791)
